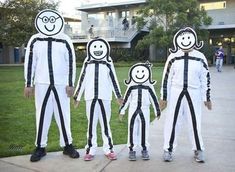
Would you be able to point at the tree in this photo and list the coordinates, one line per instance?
(165, 17)
(17, 20)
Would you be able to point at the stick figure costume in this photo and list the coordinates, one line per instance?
(139, 95)
(185, 85)
(97, 80)
(50, 66)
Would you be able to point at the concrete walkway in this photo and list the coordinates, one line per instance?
(218, 129)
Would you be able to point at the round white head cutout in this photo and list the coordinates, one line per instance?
(49, 22)
(98, 49)
(140, 73)
(186, 40)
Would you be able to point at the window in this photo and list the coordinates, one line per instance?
(213, 5)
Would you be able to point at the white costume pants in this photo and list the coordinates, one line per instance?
(49, 100)
(219, 64)
(98, 110)
(183, 106)
(138, 128)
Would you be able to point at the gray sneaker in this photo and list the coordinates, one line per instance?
(132, 156)
(167, 156)
(199, 156)
(145, 155)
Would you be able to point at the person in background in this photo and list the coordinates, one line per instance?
(219, 55)
(91, 31)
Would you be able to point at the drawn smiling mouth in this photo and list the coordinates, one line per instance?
(98, 53)
(185, 45)
(49, 30)
(139, 77)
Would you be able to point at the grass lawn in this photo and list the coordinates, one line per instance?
(17, 115)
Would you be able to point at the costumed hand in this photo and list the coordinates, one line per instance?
(69, 91)
(28, 92)
(120, 101)
(76, 103)
(120, 117)
(208, 104)
(163, 104)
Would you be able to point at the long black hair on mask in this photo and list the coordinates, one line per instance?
(181, 31)
(98, 39)
(147, 65)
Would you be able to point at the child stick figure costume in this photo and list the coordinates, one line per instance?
(50, 66)
(97, 80)
(185, 85)
(139, 95)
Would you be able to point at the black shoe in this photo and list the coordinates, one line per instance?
(70, 151)
(38, 154)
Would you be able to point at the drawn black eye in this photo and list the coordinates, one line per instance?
(45, 19)
(183, 38)
(52, 19)
(137, 71)
(189, 37)
(142, 71)
(95, 46)
(100, 46)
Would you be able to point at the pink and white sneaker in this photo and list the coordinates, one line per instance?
(111, 156)
(88, 157)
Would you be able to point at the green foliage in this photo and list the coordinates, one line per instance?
(17, 23)
(166, 17)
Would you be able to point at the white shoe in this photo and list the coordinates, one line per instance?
(167, 156)
(199, 156)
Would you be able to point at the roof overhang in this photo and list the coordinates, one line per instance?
(109, 6)
(214, 27)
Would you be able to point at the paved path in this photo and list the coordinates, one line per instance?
(218, 129)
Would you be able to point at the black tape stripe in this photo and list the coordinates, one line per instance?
(70, 64)
(83, 74)
(90, 125)
(132, 122)
(143, 129)
(194, 120)
(106, 130)
(156, 104)
(61, 116)
(42, 114)
(115, 84)
(96, 81)
(172, 138)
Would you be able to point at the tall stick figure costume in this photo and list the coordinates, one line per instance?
(185, 85)
(139, 95)
(97, 80)
(50, 65)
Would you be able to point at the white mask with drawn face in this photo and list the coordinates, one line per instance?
(98, 49)
(140, 74)
(186, 41)
(49, 22)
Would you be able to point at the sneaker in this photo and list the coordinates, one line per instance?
(38, 154)
(145, 155)
(167, 156)
(132, 156)
(111, 156)
(199, 156)
(88, 157)
(70, 151)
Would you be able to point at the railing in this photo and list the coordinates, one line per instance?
(110, 33)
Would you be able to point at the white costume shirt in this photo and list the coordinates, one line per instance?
(197, 70)
(62, 57)
(106, 82)
(148, 97)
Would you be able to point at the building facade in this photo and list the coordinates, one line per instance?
(222, 29)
